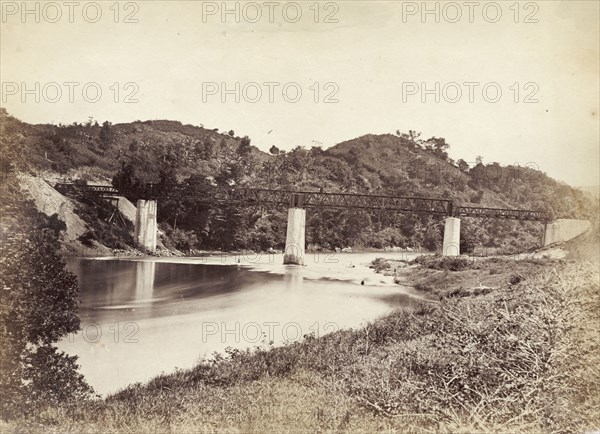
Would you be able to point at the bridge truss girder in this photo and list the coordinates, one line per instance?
(319, 200)
(501, 213)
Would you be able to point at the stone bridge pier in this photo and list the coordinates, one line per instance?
(295, 240)
(451, 246)
(145, 232)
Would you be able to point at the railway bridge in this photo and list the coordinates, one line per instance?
(298, 202)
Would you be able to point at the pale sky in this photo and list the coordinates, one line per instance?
(374, 57)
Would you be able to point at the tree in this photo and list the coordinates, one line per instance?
(477, 197)
(438, 147)
(184, 240)
(231, 133)
(432, 239)
(468, 240)
(463, 165)
(167, 176)
(413, 137)
(274, 150)
(264, 235)
(127, 181)
(228, 226)
(39, 307)
(244, 147)
(389, 237)
(209, 148)
(134, 146)
(106, 135)
(355, 227)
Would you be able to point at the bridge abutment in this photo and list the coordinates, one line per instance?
(451, 245)
(564, 230)
(295, 238)
(145, 233)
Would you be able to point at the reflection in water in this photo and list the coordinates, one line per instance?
(144, 280)
(293, 277)
(156, 315)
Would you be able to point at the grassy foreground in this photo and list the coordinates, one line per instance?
(517, 357)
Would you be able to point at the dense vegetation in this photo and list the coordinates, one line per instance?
(39, 307)
(176, 155)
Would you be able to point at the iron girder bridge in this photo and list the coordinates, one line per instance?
(318, 200)
(82, 190)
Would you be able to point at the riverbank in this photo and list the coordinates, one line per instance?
(444, 277)
(247, 256)
(519, 356)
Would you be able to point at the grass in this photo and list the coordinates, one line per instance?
(521, 357)
(462, 277)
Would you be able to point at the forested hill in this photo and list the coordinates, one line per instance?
(405, 164)
(410, 165)
(98, 150)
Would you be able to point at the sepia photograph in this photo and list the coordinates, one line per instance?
(312, 216)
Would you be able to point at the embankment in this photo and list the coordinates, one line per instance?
(84, 223)
(49, 201)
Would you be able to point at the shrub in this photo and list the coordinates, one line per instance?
(88, 238)
(450, 263)
(39, 307)
(388, 237)
(515, 278)
(184, 240)
(380, 264)
(56, 224)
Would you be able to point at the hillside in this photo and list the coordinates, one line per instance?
(97, 151)
(413, 166)
(176, 155)
(592, 192)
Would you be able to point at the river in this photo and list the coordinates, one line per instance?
(143, 317)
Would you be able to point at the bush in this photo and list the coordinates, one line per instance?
(388, 237)
(88, 238)
(56, 224)
(185, 240)
(380, 264)
(515, 278)
(432, 239)
(450, 263)
(39, 307)
(467, 242)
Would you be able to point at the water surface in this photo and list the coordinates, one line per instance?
(141, 317)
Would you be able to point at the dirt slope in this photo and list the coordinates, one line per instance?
(49, 201)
